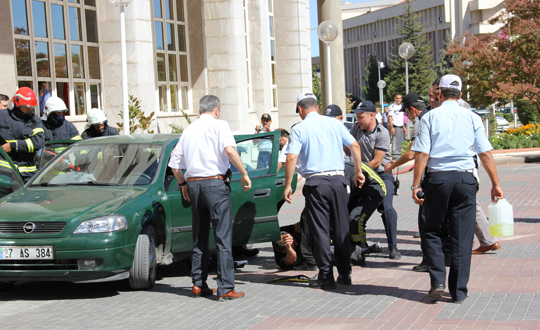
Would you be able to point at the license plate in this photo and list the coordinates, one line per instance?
(26, 252)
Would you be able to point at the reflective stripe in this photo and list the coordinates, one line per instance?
(30, 145)
(37, 130)
(27, 168)
(78, 137)
(83, 152)
(374, 175)
(4, 164)
(59, 150)
(10, 141)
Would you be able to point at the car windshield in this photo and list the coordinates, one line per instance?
(104, 165)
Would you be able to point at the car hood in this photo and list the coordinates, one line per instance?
(65, 203)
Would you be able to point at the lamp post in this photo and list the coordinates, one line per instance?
(380, 65)
(125, 107)
(467, 65)
(381, 84)
(327, 32)
(406, 51)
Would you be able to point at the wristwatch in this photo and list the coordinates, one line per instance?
(183, 183)
(413, 188)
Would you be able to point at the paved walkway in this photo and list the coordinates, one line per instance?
(504, 290)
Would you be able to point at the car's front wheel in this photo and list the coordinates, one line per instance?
(142, 275)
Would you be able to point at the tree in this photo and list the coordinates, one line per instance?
(445, 65)
(316, 84)
(369, 89)
(507, 65)
(137, 119)
(421, 66)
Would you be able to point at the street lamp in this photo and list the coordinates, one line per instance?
(125, 111)
(406, 51)
(381, 84)
(467, 65)
(380, 65)
(327, 32)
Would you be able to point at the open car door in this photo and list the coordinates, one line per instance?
(51, 150)
(10, 178)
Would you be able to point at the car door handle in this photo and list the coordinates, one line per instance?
(262, 193)
(280, 182)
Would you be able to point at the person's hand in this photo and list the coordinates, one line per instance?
(392, 131)
(287, 241)
(359, 179)
(287, 194)
(496, 193)
(245, 182)
(415, 198)
(185, 193)
(266, 125)
(404, 130)
(389, 167)
(6, 147)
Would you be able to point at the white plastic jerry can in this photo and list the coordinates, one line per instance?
(501, 218)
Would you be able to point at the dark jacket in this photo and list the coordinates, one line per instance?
(91, 132)
(26, 136)
(58, 128)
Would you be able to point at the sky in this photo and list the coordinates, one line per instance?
(313, 23)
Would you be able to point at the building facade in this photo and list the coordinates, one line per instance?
(375, 30)
(253, 54)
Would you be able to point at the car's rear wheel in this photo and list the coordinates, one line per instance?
(142, 275)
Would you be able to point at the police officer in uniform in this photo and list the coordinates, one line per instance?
(445, 145)
(56, 126)
(318, 142)
(374, 142)
(22, 132)
(98, 127)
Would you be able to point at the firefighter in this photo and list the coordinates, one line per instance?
(21, 132)
(56, 126)
(98, 127)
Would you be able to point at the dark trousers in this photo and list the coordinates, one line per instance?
(326, 210)
(305, 243)
(359, 213)
(450, 207)
(211, 203)
(389, 214)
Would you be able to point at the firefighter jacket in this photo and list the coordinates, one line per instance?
(58, 128)
(91, 132)
(25, 135)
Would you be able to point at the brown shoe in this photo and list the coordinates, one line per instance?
(483, 249)
(231, 295)
(197, 292)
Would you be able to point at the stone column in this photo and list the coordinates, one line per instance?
(8, 83)
(140, 57)
(293, 56)
(226, 60)
(330, 10)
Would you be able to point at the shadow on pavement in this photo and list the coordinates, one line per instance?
(63, 290)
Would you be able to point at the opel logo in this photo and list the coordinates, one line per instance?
(29, 227)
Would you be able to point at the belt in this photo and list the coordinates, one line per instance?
(430, 170)
(397, 126)
(325, 173)
(202, 178)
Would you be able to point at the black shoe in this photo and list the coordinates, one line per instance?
(416, 235)
(375, 248)
(459, 302)
(394, 254)
(422, 268)
(436, 291)
(344, 279)
(324, 285)
(243, 251)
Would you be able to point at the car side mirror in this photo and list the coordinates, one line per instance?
(5, 182)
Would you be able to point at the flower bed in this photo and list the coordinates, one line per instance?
(527, 136)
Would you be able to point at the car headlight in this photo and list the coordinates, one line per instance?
(105, 224)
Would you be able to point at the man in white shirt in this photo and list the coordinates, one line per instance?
(204, 150)
(395, 123)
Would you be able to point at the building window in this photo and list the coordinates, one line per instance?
(172, 56)
(271, 30)
(56, 47)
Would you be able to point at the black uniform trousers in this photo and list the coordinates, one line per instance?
(211, 203)
(388, 213)
(450, 196)
(326, 210)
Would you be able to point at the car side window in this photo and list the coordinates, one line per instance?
(256, 154)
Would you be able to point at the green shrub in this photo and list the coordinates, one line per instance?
(527, 112)
(509, 117)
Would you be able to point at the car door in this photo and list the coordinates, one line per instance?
(51, 150)
(10, 179)
(255, 211)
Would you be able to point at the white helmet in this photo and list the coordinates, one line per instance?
(95, 116)
(54, 104)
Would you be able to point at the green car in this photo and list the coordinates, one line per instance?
(110, 208)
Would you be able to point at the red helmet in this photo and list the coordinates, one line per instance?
(25, 96)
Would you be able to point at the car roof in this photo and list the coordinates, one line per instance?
(133, 138)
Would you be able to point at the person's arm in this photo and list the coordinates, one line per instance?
(235, 159)
(420, 162)
(290, 257)
(378, 157)
(181, 179)
(405, 130)
(279, 166)
(359, 178)
(390, 125)
(407, 156)
(34, 141)
(489, 165)
(289, 173)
